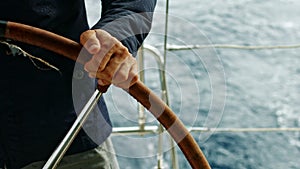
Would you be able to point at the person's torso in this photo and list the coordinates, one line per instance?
(65, 17)
(36, 106)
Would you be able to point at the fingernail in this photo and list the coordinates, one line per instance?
(93, 48)
(100, 82)
(85, 68)
(92, 75)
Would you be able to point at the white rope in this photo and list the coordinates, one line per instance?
(16, 50)
(154, 129)
(283, 129)
(232, 46)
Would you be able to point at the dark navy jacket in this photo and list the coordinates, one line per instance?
(37, 106)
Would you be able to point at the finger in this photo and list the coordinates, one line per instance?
(109, 46)
(99, 61)
(124, 71)
(113, 66)
(93, 64)
(90, 41)
(132, 79)
(103, 82)
(116, 52)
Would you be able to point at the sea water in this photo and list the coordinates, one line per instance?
(221, 87)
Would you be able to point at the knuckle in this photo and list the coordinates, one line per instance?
(115, 40)
(106, 45)
(135, 79)
(121, 77)
(85, 36)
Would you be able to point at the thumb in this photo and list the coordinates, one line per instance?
(90, 41)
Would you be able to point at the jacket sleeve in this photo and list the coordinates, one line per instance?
(127, 20)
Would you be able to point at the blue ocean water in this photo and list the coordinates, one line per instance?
(223, 88)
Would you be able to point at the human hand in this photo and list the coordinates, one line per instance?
(111, 62)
